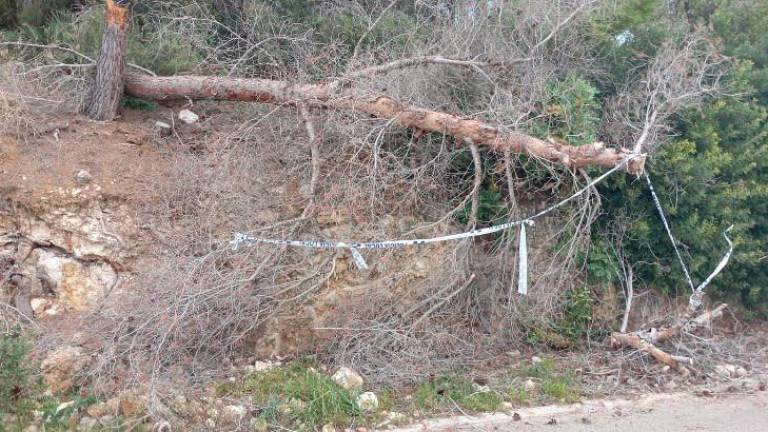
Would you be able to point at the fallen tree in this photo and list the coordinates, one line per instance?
(380, 106)
(646, 340)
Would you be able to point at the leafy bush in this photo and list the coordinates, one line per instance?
(714, 173)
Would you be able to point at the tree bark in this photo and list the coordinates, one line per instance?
(110, 67)
(382, 106)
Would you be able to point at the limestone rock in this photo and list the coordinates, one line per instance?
(60, 367)
(348, 378)
(329, 428)
(78, 285)
(367, 401)
(261, 366)
(188, 116)
(730, 371)
(530, 385)
(83, 177)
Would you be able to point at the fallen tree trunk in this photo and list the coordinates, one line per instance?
(384, 107)
(646, 340)
(110, 67)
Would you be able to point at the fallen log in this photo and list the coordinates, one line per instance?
(646, 340)
(329, 96)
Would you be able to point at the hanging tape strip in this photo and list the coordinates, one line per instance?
(240, 239)
(669, 231)
(522, 266)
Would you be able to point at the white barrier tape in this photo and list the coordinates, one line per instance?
(669, 231)
(698, 293)
(240, 239)
(522, 268)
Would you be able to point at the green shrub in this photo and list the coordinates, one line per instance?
(150, 45)
(17, 385)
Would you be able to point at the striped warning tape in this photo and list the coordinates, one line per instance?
(242, 239)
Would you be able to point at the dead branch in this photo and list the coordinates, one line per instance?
(428, 60)
(630, 276)
(314, 148)
(478, 181)
(91, 60)
(635, 341)
(646, 340)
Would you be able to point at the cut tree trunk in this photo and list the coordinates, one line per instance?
(110, 67)
(381, 106)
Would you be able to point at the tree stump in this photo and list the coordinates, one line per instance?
(110, 67)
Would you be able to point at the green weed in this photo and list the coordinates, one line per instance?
(443, 392)
(296, 396)
(554, 385)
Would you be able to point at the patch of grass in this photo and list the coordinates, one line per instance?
(442, 392)
(555, 385)
(296, 396)
(518, 396)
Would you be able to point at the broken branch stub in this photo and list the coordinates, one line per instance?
(382, 106)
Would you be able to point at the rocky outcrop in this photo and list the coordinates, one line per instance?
(60, 367)
(62, 257)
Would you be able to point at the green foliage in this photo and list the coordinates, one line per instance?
(296, 396)
(554, 384)
(139, 104)
(443, 392)
(713, 174)
(7, 14)
(571, 111)
(17, 385)
(577, 314)
(163, 51)
(56, 419)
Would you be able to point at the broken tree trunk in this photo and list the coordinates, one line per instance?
(646, 340)
(110, 68)
(381, 106)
